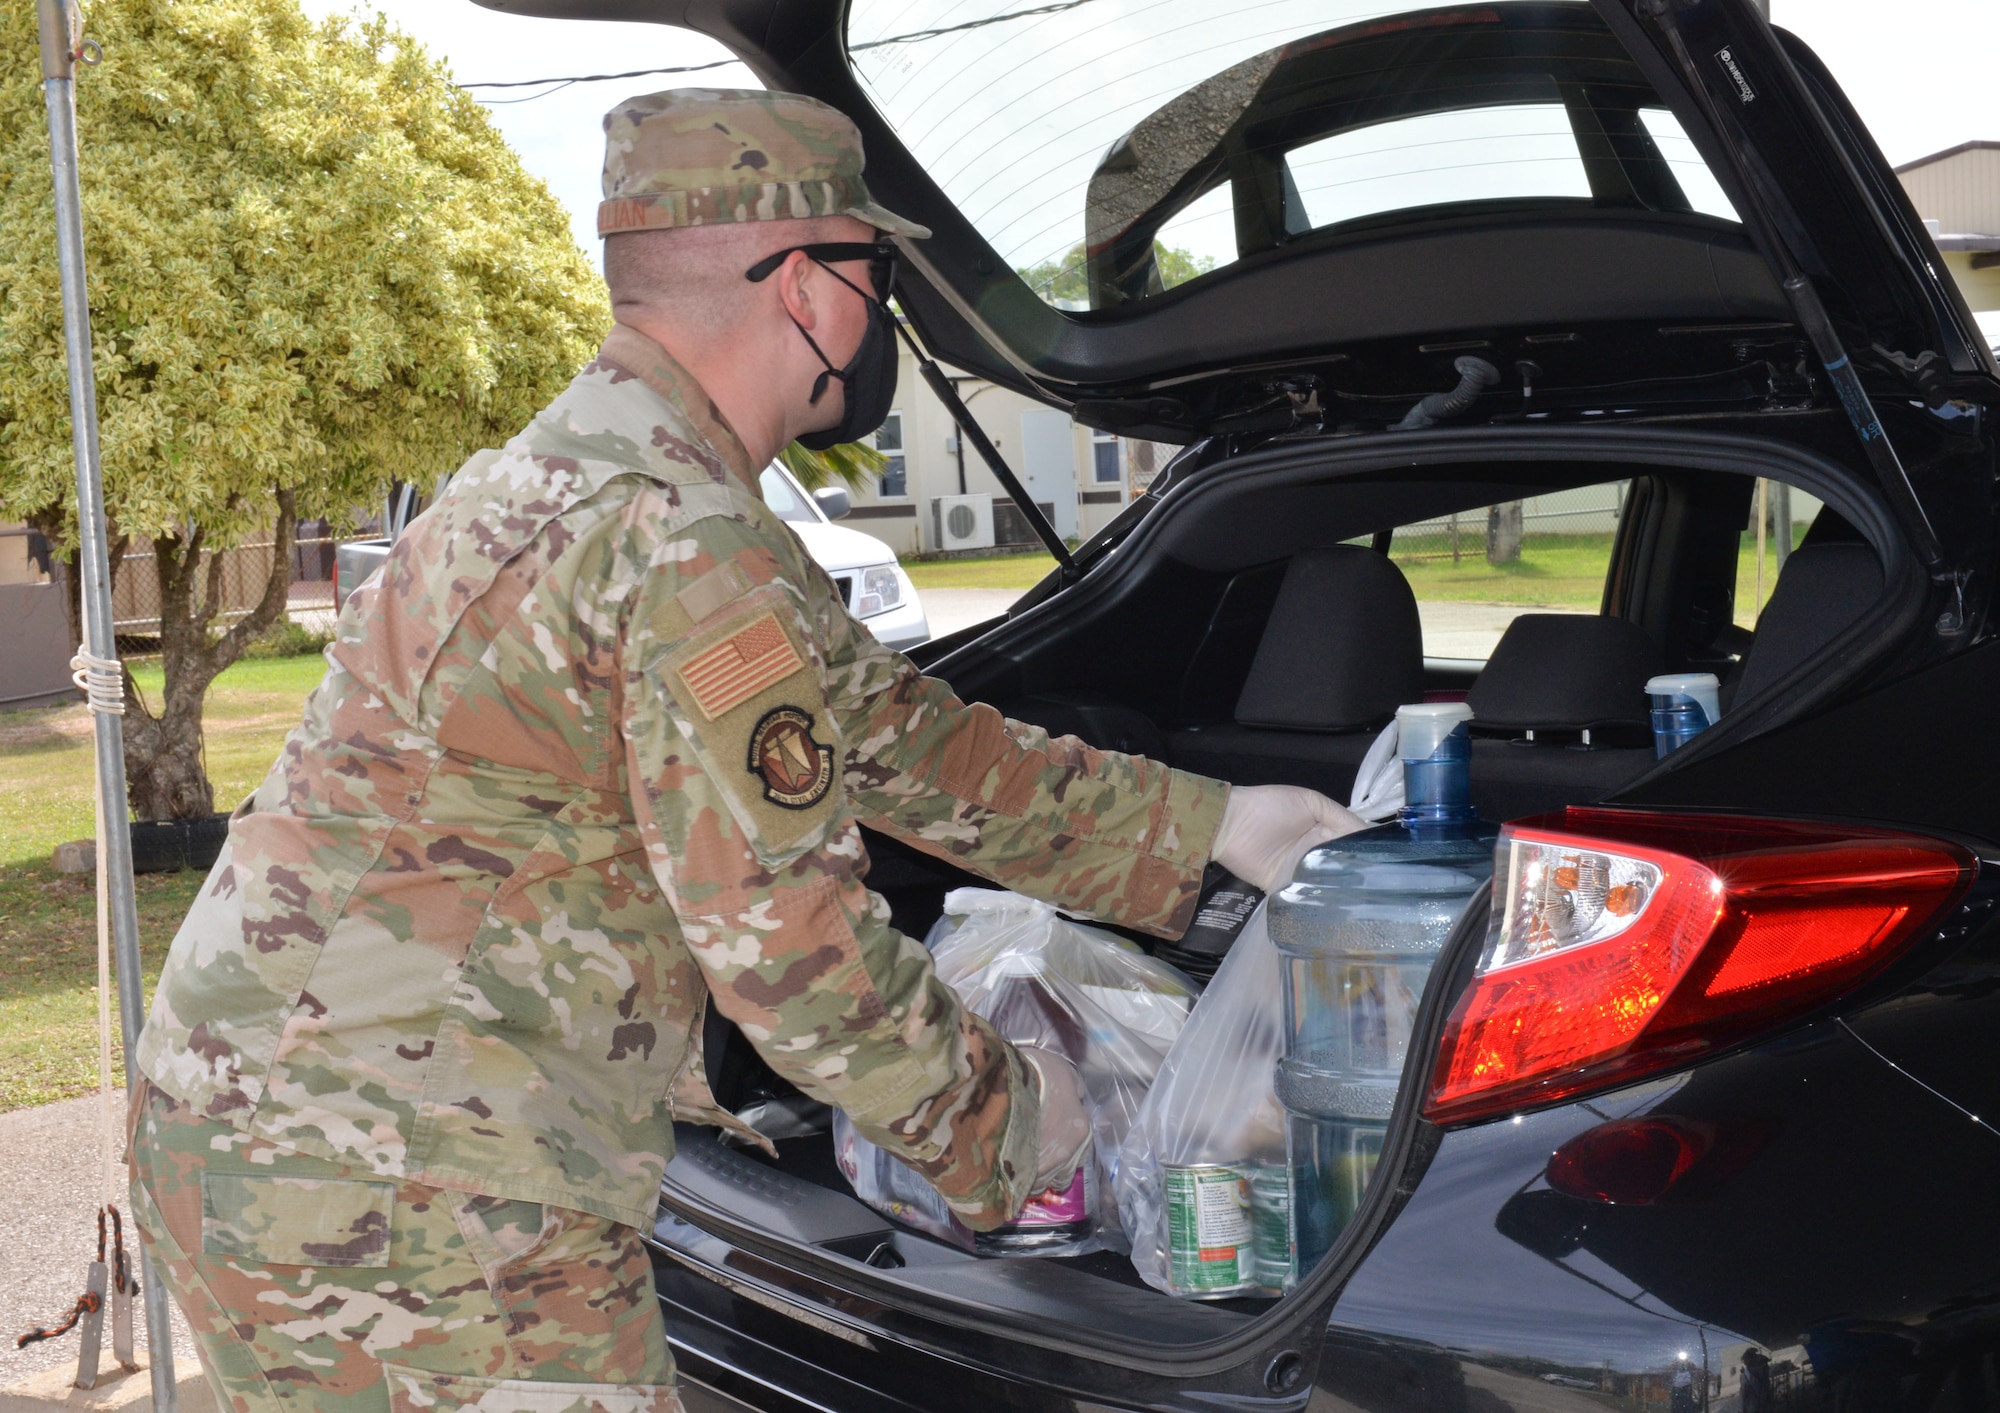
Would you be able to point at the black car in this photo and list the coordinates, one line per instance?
(1747, 1158)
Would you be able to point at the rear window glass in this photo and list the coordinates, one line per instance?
(1703, 191)
(1109, 150)
(1477, 571)
(1470, 155)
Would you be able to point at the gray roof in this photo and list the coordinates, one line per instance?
(1977, 144)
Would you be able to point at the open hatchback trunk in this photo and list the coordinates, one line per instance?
(1157, 649)
(1275, 236)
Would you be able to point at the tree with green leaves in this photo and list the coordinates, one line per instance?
(1067, 281)
(314, 269)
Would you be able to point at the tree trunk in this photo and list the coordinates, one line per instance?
(1503, 533)
(165, 774)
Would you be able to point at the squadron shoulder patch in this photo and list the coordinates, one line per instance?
(740, 666)
(797, 771)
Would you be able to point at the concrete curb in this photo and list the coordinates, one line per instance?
(118, 1390)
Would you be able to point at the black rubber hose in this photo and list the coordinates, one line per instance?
(1475, 376)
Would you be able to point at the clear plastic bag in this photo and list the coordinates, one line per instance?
(1040, 979)
(1202, 1184)
(892, 1189)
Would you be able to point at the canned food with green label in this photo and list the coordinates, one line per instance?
(1209, 1231)
(1271, 1225)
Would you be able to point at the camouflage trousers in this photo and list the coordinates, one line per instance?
(314, 1286)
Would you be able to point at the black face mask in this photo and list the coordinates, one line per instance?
(868, 382)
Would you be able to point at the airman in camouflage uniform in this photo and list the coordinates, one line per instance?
(592, 753)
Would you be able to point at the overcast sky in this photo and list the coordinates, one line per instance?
(1920, 72)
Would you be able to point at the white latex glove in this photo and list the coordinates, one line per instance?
(1265, 828)
(1065, 1126)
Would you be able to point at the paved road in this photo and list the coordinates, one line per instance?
(1471, 629)
(51, 1162)
(1466, 630)
(948, 610)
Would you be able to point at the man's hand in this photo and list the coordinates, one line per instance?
(1265, 828)
(1065, 1130)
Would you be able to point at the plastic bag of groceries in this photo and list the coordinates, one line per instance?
(1202, 1185)
(1091, 997)
(885, 1184)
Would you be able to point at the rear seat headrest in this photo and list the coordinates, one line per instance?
(1343, 648)
(1566, 672)
(1823, 589)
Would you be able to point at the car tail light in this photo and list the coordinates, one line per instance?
(1622, 943)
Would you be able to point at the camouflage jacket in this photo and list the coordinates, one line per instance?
(593, 749)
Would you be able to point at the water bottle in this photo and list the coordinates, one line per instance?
(1685, 704)
(1360, 928)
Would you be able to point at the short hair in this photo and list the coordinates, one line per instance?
(693, 275)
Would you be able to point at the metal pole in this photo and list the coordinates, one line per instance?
(1763, 520)
(1781, 523)
(59, 53)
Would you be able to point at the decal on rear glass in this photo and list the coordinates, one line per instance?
(1727, 58)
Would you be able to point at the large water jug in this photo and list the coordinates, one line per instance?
(1360, 928)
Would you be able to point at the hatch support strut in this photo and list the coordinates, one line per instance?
(1806, 303)
(990, 454)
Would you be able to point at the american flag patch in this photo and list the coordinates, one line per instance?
(740, 666)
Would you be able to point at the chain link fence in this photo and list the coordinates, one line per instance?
(246, 570)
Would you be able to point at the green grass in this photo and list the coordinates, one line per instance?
(987, 571)
(1556, 571)
(1565, 571)
(1748, 600)
(48, 921)
(1553, 569)
(48, 976)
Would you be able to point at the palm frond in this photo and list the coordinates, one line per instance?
(851, 464)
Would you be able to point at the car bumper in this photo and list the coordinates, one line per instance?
(1491, 1288)
(902, 627)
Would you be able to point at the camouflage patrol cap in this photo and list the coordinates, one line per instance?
(709, 156)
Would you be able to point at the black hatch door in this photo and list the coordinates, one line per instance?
(1138, 202)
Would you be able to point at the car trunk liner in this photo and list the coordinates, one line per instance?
(708, 1181)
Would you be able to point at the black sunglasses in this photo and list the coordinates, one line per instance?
(880, 255)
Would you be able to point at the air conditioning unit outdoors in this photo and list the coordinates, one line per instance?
(962, 522)
(1011, 527)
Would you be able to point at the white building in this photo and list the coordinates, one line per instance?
(1081, 478)
(1957, 192)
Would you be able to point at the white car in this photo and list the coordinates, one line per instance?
(877, 590)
